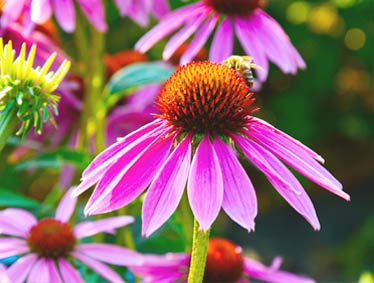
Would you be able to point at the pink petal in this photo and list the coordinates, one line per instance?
(199, 40)
(18, 220)
(111, 254)
(224, 33)
(12, 10)
(54, 275)
(65, 14)
(281, 178)
(99, 267)
(39, 273)
(239, 196)
(300, 161)
(257, 270)
(167, 188)
(94, 11)
(4, 278)
(181, 36)
(12, 246)
(66, 207)
(128, 146)
(90, 228)
(252, 46)
(167, 25)
(159, 8)
(128, 178)
(68, 272)
(19, 270)
(41, 11)
(205, 184)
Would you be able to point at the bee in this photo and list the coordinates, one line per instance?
(243, 66)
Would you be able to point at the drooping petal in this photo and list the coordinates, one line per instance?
(65, 14)
(90, 228)
(181, 36)
(111, 254)
(39, 272)
(12, 246)
(68, 272)
(199, 40)
(224, 33)
(99, 267)
(299, 160)
(94, 11)
(167, 188)
(167, 25)
(252, 46)
(280, 177)
(19, 270)
(66, 207)
(17, 220)
(205, 186)
(41, 11)
(54, 275)
(128, 178)
(257, 270)
(239, 196)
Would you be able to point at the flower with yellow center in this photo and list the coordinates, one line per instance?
(26, 93)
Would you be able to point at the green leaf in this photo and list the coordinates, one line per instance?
(56, 159)
(9, 198)
(136, 75)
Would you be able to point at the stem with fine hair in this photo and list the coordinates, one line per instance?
(198, 254)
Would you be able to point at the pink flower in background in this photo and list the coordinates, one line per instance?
(225, 263)
(206, 111)
(39, 11)
(45, 246)
(259, 34)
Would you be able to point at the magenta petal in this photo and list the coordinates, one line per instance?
(54, 275)
(167, 25)
(65, 14)
(41, 11)
(299, 160)
(160, 8)
(68, 272)
(99, 267)
(167, 188)
(94, 11)
(90, 228)
(257, 270)
(205, 185)
(239, 196)
(224, 33)
(12, 246)
(181, 36)
(111, 254)
(39, 273)
(19, 270)
(18, 220)
(199, 40)
(128, 178)
(281, 178)
(66, 207)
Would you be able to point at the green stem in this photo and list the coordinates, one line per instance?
(198, 255)
(8, 124)
(125, 235)
(186, 218)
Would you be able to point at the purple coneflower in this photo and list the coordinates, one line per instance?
(39, 11)
(46, 245)
(205, 115)
(258, 33)
(225, 263)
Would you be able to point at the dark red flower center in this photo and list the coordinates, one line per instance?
(203, 97)
(235, 7)
(51, 238)
(224, 262)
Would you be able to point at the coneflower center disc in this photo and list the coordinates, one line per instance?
(224, 262)
(204, 97)
(51, 238)
(235, 7)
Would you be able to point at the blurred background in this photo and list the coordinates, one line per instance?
(329, 107)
